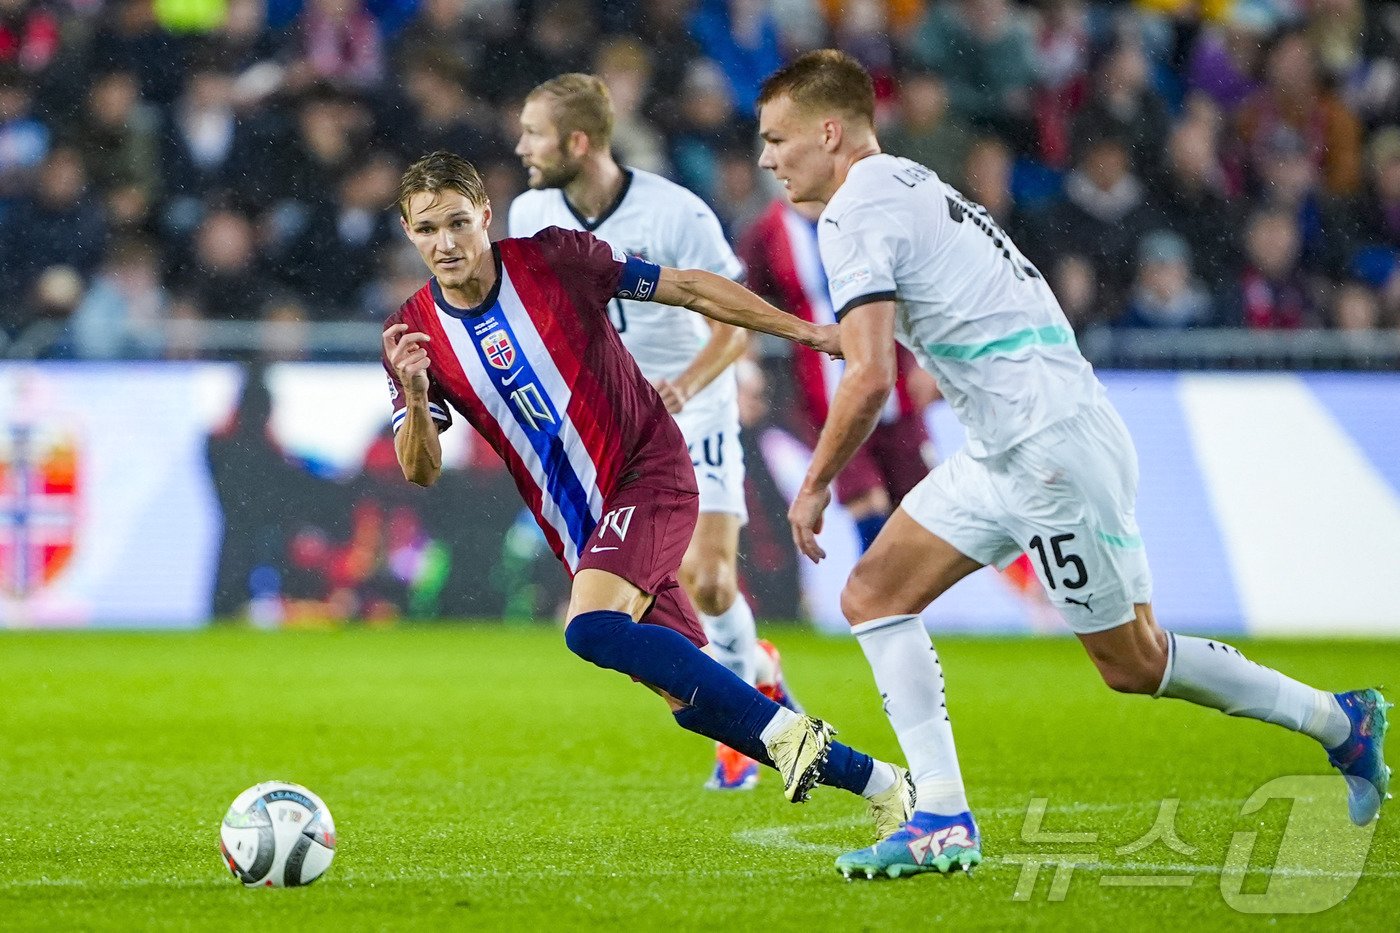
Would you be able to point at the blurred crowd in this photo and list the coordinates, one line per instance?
(1166, 163)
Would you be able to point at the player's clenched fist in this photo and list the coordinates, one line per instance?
(408, 355)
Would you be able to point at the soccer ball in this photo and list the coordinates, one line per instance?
(277, 835)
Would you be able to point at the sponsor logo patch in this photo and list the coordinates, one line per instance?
(854, 277)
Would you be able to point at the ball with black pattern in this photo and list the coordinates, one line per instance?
(277, 835)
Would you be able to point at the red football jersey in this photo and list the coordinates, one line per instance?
(539, 370)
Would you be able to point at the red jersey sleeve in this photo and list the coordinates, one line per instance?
(437, 404)
(603, 271)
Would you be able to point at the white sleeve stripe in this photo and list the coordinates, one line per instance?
(436, 411)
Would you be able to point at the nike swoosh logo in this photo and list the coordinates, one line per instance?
(792, 775)
(511, 378)
(595, 549)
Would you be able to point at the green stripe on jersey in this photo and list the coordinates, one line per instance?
(1123, 541)
(1030, 337)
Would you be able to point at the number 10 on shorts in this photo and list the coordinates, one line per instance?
(619, 521)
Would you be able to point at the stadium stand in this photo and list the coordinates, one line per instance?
(1212, 184)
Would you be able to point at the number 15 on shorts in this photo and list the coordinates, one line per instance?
(1063, 559)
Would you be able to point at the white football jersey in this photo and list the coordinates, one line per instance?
(971, 308)
(663, 223)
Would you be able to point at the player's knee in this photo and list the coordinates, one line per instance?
(593, 636)
(858, 599)
(1137, 676)
(714, 591)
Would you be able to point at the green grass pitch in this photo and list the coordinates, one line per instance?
(483, 778)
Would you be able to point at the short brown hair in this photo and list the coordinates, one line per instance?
(826, 79)
(441, 171)
(580, 103)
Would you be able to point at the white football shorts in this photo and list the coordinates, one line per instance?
(712, 435)
(1066, 496)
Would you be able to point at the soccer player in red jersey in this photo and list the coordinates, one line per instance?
(515, 337)
(565, 144)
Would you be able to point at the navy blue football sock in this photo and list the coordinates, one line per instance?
(846, 768)
(694, 719)
(726, 709)
(868, 527)
(722, 707)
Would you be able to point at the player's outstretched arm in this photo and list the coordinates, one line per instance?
(867, 334)
(731, 303)
(416, 443)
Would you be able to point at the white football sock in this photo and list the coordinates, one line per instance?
(910, 680)
(783, 718)
(1211, 673)
(733, 638)
(882, 778)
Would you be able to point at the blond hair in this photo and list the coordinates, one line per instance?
(823, 80)
(441, 171)
(579, 103)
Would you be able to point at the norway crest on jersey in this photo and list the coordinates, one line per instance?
(500, 352)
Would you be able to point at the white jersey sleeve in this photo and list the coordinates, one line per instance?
(858, 252)
(698, 242)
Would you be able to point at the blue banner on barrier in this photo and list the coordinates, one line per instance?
(107, 512)
(158, 494)
(1269, 503)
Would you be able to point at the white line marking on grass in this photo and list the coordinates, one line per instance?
(1144, 881)
(784, 837)
(1187, 868)
(780, 837)
(96, 883)
(376, 879)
